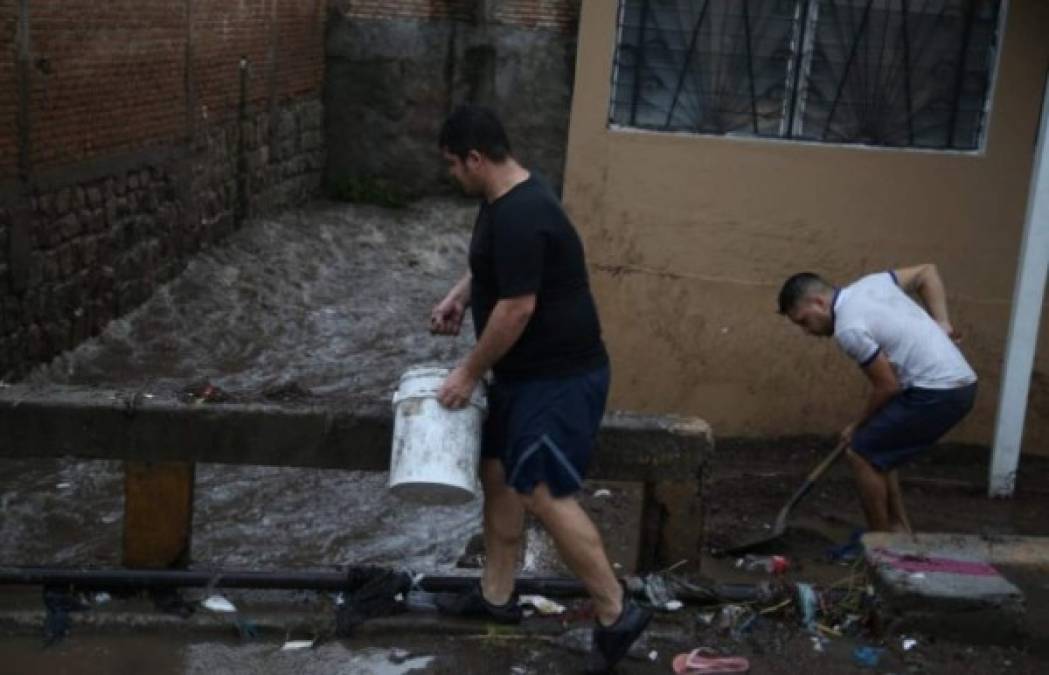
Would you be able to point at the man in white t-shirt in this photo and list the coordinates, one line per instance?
(922, 386)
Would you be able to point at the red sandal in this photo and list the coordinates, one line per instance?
(705, 660)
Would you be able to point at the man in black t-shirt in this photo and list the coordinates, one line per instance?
(538, 332)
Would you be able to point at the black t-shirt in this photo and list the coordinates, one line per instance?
(523, 243)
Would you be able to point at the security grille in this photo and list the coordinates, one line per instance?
(901, 73)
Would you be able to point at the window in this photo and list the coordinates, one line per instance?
(899, 73)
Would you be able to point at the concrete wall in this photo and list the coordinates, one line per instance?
(130, 138)
(396, 69)
(689, 238)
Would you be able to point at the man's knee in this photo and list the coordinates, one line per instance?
(858, 461)
(539, 502)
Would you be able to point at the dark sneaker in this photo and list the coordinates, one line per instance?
(612, 643)
(472, 604)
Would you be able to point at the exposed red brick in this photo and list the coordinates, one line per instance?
(8, 90)
(110, 77)
(559, 15)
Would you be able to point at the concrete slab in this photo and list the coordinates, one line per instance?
(96, 423)
(950, 585)
(667, 454)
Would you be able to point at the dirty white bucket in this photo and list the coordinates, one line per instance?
(436, 451)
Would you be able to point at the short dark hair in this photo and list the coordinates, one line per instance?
(797, 287)
(474, 127)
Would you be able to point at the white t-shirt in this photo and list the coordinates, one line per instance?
(874, 315)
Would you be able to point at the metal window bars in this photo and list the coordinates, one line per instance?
(898, 73)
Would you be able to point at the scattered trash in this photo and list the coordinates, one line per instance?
(909, 644)
(706, 660)
(292, 645)
(653, 655)
(826, 630)
(705, 618)
(772, 564)
(602, 493)
(149, 395)
(544, 606)
(217, 603)
(730, 615)
(634, 584)
(743, 626)
(673, 605)
(421, 602)
(808, 602)
(852, 624)
(205, 392)
(817, 643)
(658, 591)
(867, 657)
(64, 486)
(101, 598)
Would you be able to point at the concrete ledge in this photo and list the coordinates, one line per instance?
(948, 584)
(95, 423)
(998, 549)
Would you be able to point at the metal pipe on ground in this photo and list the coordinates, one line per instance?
(345, 580)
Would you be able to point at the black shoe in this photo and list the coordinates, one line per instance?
(611, 643)
(473, 604)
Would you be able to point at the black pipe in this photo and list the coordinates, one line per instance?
(313, 580)
(346, 580)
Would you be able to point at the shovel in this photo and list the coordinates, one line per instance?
(781, 519)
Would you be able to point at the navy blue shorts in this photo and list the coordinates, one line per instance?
(543, 430)
(911, 422)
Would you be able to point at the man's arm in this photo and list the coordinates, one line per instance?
(884, 386)
(925, 282)
(505, 325)
(446, 318)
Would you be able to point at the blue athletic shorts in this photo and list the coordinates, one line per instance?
(543, 430)
(911, 422)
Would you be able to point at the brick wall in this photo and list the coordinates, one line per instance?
(103, 76)
(139, 149)
(559, 15)
(8, 88)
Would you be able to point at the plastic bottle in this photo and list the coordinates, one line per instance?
(772, 564)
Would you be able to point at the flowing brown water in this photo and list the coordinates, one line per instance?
(332, 299)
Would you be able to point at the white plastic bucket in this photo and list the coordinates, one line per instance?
(436, 451)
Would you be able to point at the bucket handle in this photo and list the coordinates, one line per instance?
(476, 400)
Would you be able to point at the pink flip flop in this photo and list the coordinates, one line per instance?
(705, 660)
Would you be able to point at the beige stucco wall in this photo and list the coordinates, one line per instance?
(689, 238)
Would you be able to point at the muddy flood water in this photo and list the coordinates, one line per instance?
(331, 302)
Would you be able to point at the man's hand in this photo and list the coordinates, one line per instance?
(447, 317)
(456, 389)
